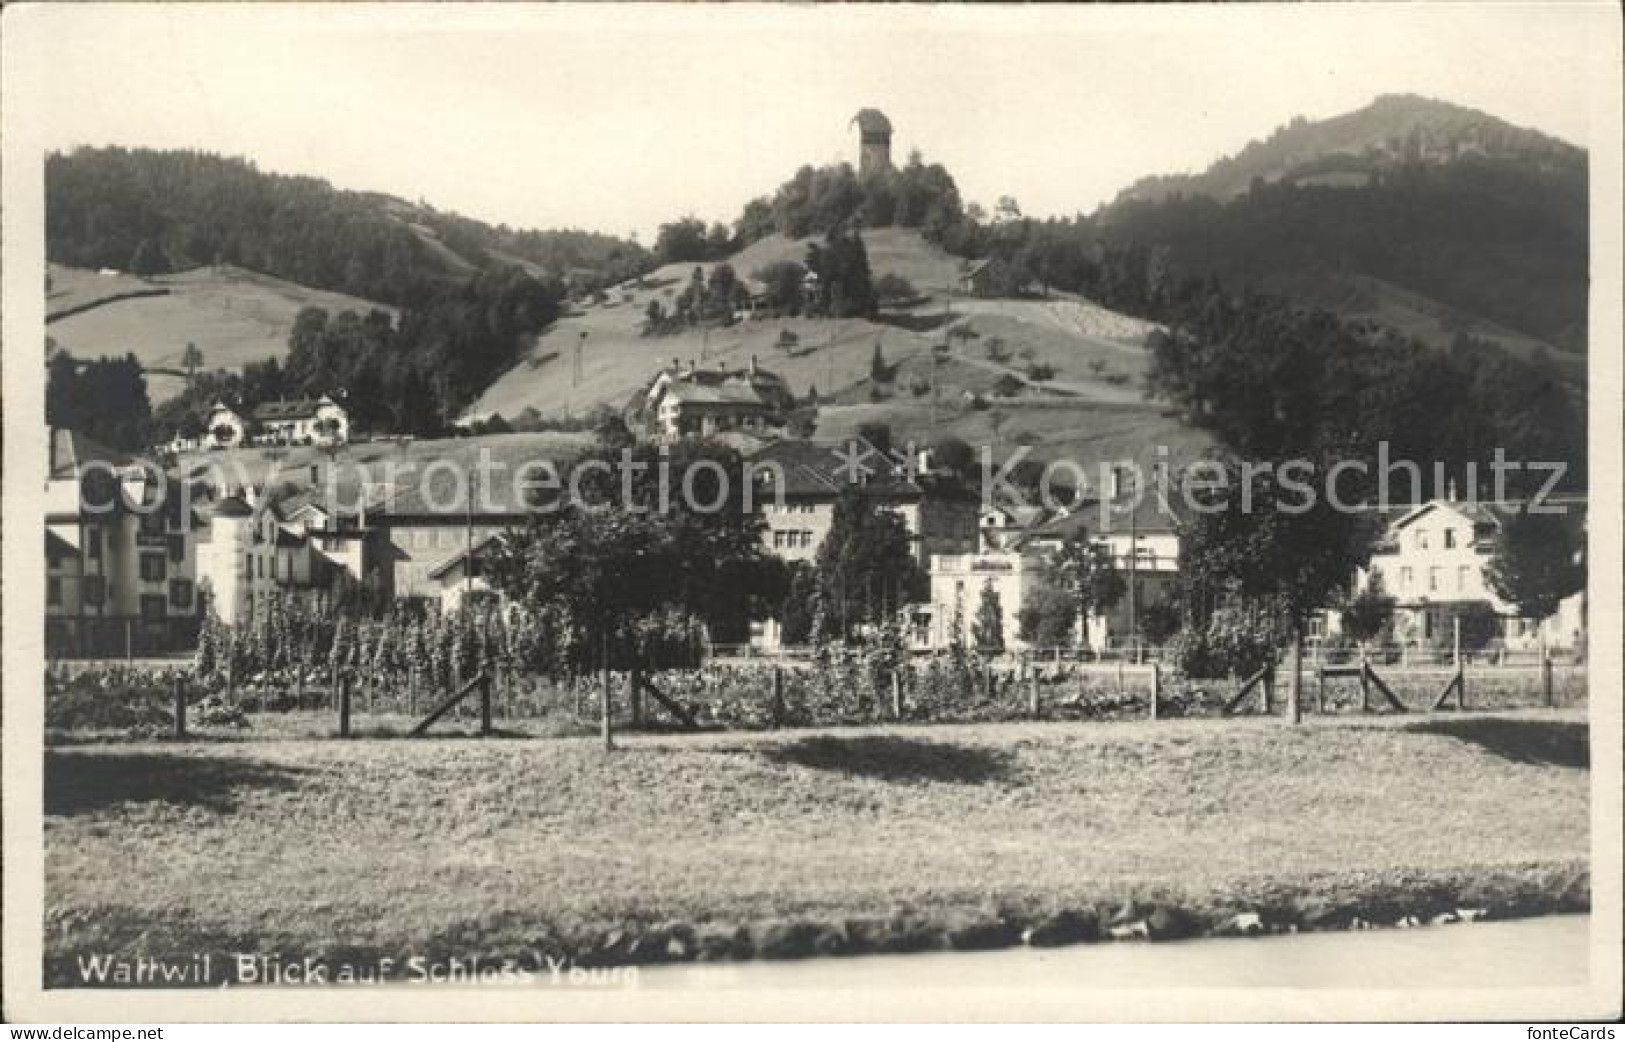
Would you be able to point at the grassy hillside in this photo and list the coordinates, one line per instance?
(1097, 358)
(234, 316)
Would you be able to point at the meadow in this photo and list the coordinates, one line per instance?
(730, 845)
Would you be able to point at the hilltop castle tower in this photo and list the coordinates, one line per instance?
(874, 132)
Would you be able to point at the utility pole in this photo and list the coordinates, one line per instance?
(468, 536)
(1133, 565)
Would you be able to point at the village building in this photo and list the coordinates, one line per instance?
(435, 536)
(959, 582)
(988, 277)
(1004, 527)
(688, 401)
(305, 421)
(1433, 560)
(796, 484)
(120, 575)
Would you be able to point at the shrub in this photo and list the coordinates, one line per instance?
(1041, 371)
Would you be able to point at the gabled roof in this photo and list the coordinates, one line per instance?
(1492, 514)
(232, 506)
(71, 452)
(1158, 512)
(824, 468)
(57, 546)
(300, 409)
(457, 558)
(288, 540)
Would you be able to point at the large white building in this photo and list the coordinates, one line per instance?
(1432, 561)
(306, 421)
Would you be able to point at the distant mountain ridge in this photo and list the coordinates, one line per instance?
(1393, 130)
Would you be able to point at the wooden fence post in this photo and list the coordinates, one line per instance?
(1156, 687)
(897, 694)
(1035, 704)
(604, 724)
(1546, 678)
(775, 705)
(1269, 688)
(1294, 690)
(1461, 666)
(634, 697)
(344, 707)
(485, 707)
(129, 640)
(180, 707)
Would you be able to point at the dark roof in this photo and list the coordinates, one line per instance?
(872, 121)
(286, 540)
(1155, 512)
(71, 451)
(821, 469)
(451, 562)
(232, 506)
(56, 546)
(294, 410)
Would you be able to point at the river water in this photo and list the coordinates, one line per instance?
(1550, 951)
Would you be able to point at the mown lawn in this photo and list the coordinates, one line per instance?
(468, 846)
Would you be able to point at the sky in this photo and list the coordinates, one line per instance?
(619, 119)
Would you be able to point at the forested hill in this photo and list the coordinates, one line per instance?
(153, 212)
(1393, 130)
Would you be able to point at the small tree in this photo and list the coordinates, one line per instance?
(1537, 565)
(192, 361)
(879, 372)
(1048, 616)
(1367, 614)
(988, 631)
(1084, 569)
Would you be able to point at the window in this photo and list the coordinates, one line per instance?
(778, 540)
(180, 594)
(1422, 539)
(275, 561)
(259, 566)
(153, 607)
(53, 592)
(1433, 580)
(177, 548)
(1461, 578)
(1450, 539)
(1405, 576)
(95, 588)
(152, 568)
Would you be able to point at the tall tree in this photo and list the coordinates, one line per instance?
(1084, 569)
(988, 630)
(866, 563)
(1538, 563)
